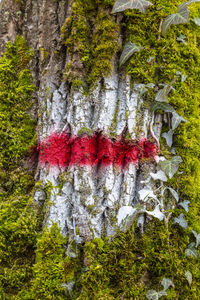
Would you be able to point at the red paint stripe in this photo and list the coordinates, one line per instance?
(63, 150)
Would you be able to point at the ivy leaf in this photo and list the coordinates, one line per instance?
(160, 175)
(150, 59)
(70, 252)
(173, 151)
(121, 5)
(185, 4)
(188, 276)
(141, 88)
(183, 77)
(173, 192)
(185, 204)
(162, 293)
(176, 120)
(156, 213)
(128, 51)
(152, 295)
(168, 137)
(181, 17)
(166, 283)
(146, 193)
(162, 95)
(196, 21)
(197, 236)
(150, 85)
(162, 106)
(170, 167)
(181, 38)
(191, 251)
(68, 288)
(181, 221)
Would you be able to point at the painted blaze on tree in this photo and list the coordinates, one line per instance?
(65, 150)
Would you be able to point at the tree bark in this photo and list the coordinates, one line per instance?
(90, 197)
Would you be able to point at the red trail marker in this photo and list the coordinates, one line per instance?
(63, 150)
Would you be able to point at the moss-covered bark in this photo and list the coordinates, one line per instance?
(35, 266)
(91, 37)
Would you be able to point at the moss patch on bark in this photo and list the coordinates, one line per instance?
(91, 38)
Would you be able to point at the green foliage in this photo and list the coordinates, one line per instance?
(188, 276)
(191, 251)
(162, 106)
(176, 120)
(170, 167)
(169, 55)
(197, 236)
(181, 221)
(153, 295)
(180, 17)
(128, 51)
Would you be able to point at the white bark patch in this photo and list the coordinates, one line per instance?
(108, 103)
(79, 111)
(128, 187)
(131, 113)
(122, 100)
(91, 200)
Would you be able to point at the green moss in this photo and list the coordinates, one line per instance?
(17, 132)
(44, 54)
(49, 267)
(78, 83)
(131, 264)
(90, 35)
(17, 136)
(85, 130)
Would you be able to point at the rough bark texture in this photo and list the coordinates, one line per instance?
(89, 199)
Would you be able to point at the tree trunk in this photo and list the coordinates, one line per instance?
(90, 197)
(97, 134)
